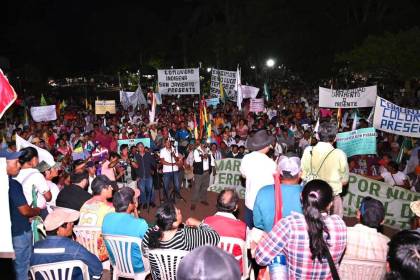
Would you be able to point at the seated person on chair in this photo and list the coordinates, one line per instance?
(364, 241)
(224, 222)
(123, 223)
(59, 247)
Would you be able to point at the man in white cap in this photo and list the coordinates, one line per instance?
(264, 207)
(257, 168)
(59, 247)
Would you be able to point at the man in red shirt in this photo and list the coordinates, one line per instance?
(225, 223)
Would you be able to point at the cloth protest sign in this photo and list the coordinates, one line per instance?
(179, 81)
(134, 142)
(6, 244)
(128, 98)
(396, 200)
(7, 94)
(249, 91)
(347, 98)
(256, 105)
(44, 113)
(103, 106)
(43, 155)
(228, 176)
(394, 119)
(228, 79)
(212, 102)
(357, 142)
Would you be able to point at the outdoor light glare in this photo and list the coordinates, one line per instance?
(252, 67)
(270, 62)
(208, 69)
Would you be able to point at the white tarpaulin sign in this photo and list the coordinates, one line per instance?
(43, 155)
(103, 106)
(6, 245)
(396, 200)
(394, 119)
(228, 176)
(347, 98)
(256, 105)
(228, 79)
(44, 113)
(179, 81)
(249, 91)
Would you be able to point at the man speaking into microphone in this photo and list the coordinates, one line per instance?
(202, 167)
(169, 158)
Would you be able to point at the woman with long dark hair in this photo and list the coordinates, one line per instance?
(170, 233)
(307, 239)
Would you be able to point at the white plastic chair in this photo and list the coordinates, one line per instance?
(121, 248)
(228, 243)
(59, 270)
(167, 261)
(88, 237)
(355, 269)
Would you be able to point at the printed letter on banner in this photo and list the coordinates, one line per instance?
(179, 81)
(347, 98)
(394, 119)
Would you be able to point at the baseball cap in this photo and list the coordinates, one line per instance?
(415, 207)
(208, 262)
(372, 212)
(290, 165)
(44, 166)
(9, 155)
(100, 182)
(59, 216)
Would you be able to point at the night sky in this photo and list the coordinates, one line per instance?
(57, 38)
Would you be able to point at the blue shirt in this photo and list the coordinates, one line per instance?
(126, 225)
(20, 223)
(264, 206)
(59, 249)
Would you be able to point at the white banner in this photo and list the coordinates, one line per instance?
(249, 91)
(103, 106)
(347, 98)
(43, 155)
(179, 81)
(228, 79)
(256, 105)
(44, 113)
(396, 200)
(394, 119)
(228, 176)
(6, 245)
(128, 98)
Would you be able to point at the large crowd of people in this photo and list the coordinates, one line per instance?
(97, 181)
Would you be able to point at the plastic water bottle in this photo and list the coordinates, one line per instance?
(278, 268)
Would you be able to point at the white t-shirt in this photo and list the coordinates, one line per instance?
(166, 155)
(54, 193)
(258, 169)
(29, 177)
(394, 179)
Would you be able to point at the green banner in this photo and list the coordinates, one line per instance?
(395, 199)
(228, 176)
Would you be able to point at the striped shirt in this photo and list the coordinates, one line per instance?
(290, 237)
(186, 238)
